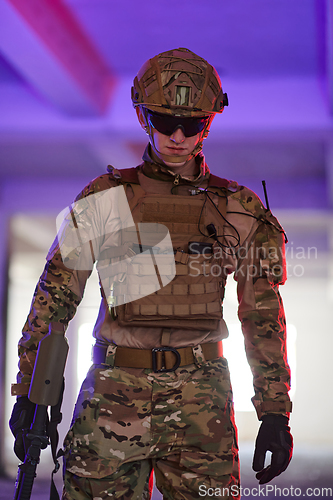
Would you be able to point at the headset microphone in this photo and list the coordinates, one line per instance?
(211, 231)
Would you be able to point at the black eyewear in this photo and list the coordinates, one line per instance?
(167, 124)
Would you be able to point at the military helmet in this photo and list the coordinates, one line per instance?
(180, 83)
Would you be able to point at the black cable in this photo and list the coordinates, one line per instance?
(217, 236)
(224, 236)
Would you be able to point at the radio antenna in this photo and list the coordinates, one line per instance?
(265, 193)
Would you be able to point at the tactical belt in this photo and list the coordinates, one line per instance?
(159, 359)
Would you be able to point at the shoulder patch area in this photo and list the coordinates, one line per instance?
(270, 237)
(249, 200)
(272, 240)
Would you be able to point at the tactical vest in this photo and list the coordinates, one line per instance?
(193, 298)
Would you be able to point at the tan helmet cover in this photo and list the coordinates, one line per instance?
(178, 82)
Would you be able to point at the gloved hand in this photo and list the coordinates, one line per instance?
(274, 435)
(20, 422)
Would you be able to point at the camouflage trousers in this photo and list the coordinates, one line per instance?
(129, 421)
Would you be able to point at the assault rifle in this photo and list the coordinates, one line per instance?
(46, 389)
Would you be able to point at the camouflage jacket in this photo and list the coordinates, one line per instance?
(254, 253)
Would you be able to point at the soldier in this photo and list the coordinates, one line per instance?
(166, 235)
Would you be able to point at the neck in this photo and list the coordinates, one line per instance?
(188, 169)
(153, 167)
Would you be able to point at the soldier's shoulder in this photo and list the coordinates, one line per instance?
(247, 198)
(114, 177)
(252, 203)
(228, 185)
(124, 174)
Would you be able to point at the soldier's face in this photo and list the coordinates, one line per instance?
(175, 145)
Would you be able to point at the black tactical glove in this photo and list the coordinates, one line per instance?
(20, 422)
(274, 435)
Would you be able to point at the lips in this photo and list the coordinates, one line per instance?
(176, 150)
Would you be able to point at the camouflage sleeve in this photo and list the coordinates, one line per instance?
(260, 271)
(53, 300)
(61, 285)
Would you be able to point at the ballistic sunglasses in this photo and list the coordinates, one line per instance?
(167, 124)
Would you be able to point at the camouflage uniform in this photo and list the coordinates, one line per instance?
(172, 421)
(128, 420)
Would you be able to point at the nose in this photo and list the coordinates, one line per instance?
(177, 136)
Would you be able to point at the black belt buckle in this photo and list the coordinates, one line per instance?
(163, 349)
